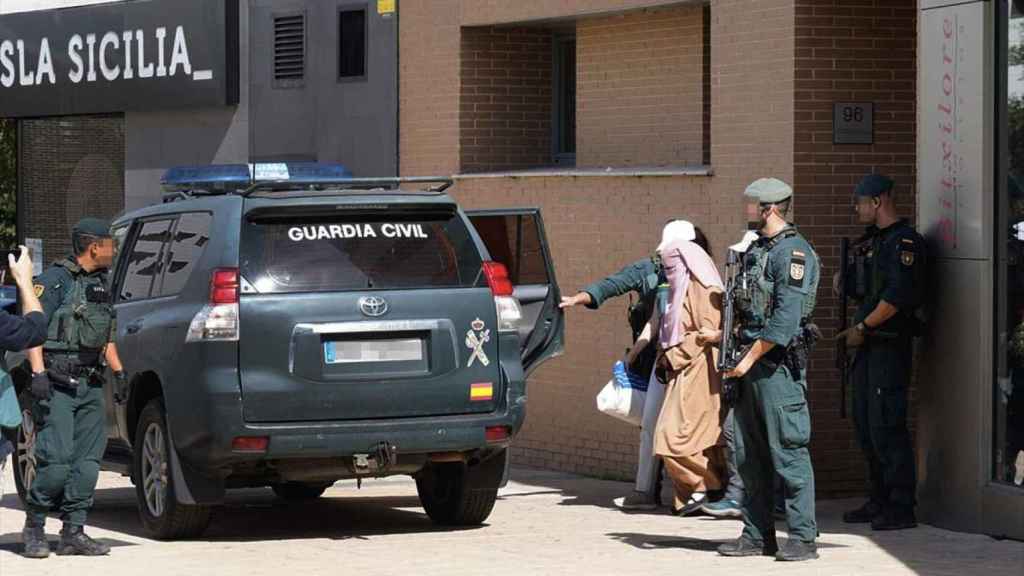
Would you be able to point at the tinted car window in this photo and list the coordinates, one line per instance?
(191, 234)
(325, 253)
(144, 261)
(514, 240)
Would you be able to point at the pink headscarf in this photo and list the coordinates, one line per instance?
(682, 260)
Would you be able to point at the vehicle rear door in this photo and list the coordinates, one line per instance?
(362, 310)
(516, 238)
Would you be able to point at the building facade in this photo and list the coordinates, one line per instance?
(613, 116)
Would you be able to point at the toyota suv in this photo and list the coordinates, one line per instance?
(311, 328)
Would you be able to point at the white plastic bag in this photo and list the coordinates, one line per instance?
(623, 396)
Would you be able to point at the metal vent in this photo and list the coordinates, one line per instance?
(290, 48)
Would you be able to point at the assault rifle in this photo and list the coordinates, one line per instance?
(730, 352)
(842, 357)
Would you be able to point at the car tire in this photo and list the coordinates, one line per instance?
(448, 500)
(299, 491)
(23, 439)
(163, 517)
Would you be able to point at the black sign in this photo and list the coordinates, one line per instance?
(125, 56)
(853, 123)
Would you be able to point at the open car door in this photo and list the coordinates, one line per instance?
(515, 237)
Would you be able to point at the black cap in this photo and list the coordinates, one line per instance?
(874, 185)
(95, 227)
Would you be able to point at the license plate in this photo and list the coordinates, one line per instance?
(349, 352)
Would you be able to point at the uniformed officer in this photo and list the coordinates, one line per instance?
(887, 281)
(772, 418)
(67, 386)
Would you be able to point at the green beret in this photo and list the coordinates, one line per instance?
(768, 191)
(95, 227)
(874, 185)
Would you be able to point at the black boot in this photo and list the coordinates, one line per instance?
(74, 542)
(744, 546)
(863, 515)
(894, 519)
(797, 551)
(34, 538)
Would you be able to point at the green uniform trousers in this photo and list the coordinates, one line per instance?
(881, 376)
(71, 437)
(774, 429)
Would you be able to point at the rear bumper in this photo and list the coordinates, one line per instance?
(203, 435)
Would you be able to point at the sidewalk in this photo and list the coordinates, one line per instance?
(544, 523)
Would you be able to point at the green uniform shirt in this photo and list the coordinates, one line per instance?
(782, 273)
(89, 328)
(641, 277)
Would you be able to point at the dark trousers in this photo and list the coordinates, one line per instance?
(881, 378)
(773, 426)
(71, 436)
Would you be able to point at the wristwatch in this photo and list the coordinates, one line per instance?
(862, 328)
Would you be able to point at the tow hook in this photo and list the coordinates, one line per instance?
(384, 456)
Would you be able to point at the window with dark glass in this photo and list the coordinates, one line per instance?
(191, 234)
(1009, 395)
(565, 100)
(352, 43)
(144, 261)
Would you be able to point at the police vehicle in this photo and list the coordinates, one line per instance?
(290, 326)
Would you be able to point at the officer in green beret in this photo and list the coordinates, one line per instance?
(774, 306)
(887, 281)
(67, 389)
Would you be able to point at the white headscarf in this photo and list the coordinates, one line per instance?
(676, 231)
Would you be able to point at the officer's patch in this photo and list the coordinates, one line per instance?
(797, 269)
(39, 289)
(907, 258)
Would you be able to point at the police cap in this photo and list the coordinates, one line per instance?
(768, 191)
(874, 185)
(95, 227)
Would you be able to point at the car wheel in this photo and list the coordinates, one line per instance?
(162, 515)
(448, 500)
(24, 440)
(299, 491)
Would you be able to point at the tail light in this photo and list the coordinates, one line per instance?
(218, 320)
(250, 444)
(510, 313)
(496, 434)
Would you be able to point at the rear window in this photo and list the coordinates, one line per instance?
(366, 252)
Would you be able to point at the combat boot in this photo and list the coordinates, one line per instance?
(74, 542)
(34, 538)
(894, 519)
(797, 551)
(744, 546)
(863, 515)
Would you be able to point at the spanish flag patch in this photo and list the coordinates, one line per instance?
(483, 392)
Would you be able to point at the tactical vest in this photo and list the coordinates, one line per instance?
(84, 319)
(756, 302)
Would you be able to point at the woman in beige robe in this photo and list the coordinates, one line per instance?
(689, 432)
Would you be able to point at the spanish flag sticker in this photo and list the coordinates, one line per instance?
(481, 392)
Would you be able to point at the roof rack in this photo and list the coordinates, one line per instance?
(361, 184)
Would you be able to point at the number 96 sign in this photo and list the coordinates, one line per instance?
(853, 123)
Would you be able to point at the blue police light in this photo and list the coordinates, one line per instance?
(234, 177)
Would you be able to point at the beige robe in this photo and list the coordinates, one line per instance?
(690, 419)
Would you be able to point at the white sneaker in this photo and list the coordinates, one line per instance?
(636, 501)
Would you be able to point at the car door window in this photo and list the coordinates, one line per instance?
(188, 240)
(144, 261)
(514, 240)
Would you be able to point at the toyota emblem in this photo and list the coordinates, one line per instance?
(373, 306)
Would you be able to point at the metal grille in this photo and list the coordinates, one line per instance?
(290, 48)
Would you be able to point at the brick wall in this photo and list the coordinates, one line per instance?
(860, 51)
(505, 98)
(70, 168)
(640, 88)
(595, 225)
(476, 12)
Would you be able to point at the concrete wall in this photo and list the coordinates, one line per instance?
(156, 141)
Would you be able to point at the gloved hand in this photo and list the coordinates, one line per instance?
(41, 387)
(120, 387)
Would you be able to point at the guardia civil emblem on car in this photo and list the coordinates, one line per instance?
(373, 306)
